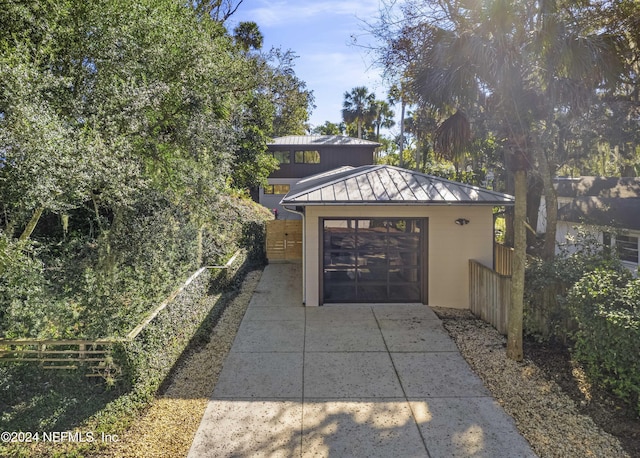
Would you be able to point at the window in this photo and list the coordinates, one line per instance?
(373, 260)
(283, 157)
(307, 157)
(276, 189)
(627, 247)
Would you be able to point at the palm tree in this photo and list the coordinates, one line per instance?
(574, 64)
(452, 138)
(486, 55)
(247, 36)
(397, 94)
(383, 116)
(358, 107)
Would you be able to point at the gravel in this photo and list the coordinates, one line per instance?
(168, 427)
(544, 414)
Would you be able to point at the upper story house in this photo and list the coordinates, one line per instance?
(607, 207)
(304, 155)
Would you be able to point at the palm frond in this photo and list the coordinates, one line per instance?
(453, 136)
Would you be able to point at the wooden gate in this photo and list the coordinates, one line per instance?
(284, 240)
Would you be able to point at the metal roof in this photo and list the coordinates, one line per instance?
(604, 187)
(614, 212)
(385, 184)
(320, 140)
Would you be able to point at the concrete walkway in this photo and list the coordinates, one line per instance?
(348, 381)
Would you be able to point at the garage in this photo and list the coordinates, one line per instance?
(373, 260)
(381, 234)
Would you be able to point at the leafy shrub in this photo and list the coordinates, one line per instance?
(606, 307)
(547, 284)
(23, 297)
(148, 359)
(86, 286)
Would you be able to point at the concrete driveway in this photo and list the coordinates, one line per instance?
(348, 381)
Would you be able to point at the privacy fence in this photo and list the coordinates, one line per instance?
(490, 289)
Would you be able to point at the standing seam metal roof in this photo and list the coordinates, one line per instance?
(320, 140)
(387, 184)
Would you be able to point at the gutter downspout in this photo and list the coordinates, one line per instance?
(304, 251)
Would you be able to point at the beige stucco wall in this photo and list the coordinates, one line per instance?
(450, 246)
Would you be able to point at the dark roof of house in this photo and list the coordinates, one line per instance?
(385, 184)
(598, 211)
(603, 187)
(320, 140)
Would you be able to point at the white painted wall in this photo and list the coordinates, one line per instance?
(542, 212)
(450, 246)
(567, 232)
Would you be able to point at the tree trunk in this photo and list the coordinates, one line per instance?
(551, 206)
(508, 213)
(402, 134)
(514, 326)
(535, 188)
(31, 225)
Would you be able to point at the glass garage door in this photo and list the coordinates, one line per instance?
(373, 260)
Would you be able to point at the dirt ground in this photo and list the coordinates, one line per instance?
(608, 412)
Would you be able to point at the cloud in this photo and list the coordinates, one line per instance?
(280, 13)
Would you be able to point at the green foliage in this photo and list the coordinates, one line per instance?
(589, 299)
(606, 307)
(329, 128)
(128, 130)
(38, 400)
(547, 283)
(22, 289)
(148, 359)
(127, 121)
(91, 288)
(48, 400)
(359, 112)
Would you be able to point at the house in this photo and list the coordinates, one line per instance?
(303, 155)
(379, 233)
(608, 208)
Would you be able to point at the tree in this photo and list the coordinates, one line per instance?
(247, 35)
(291, 99)
(514, 62)
(452, 138)
(329, 128)
(576, 62)
(102, 103)
(218, 10)
(383, 116)
(357, 108)
(398, 94)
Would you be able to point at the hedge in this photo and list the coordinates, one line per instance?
(148, 358)
(606, 306)
(97, 286)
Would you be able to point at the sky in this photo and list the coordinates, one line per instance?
(320, 33)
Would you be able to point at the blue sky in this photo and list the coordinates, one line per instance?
(319, 32)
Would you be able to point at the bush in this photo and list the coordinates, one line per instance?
(547, 284)
(606, 307)
(94, 286)
(23, 297)
(149, 357)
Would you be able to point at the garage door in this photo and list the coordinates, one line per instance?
(373, 260)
